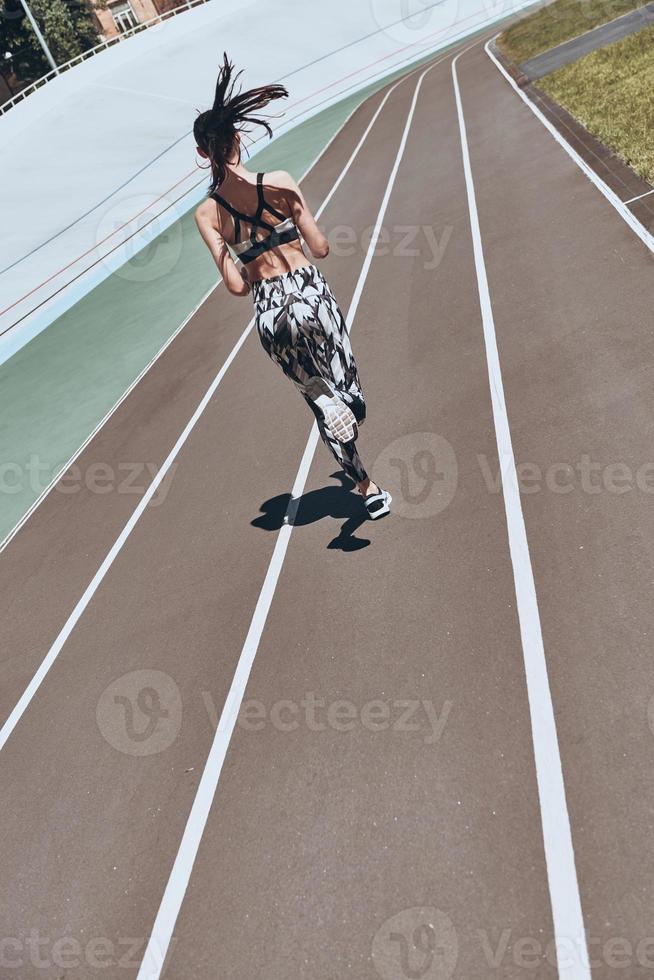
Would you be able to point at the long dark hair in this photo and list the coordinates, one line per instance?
(215, 130)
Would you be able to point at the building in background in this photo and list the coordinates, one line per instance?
(71, 28)
(122, 15)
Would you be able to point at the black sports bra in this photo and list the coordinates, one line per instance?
(280, 234)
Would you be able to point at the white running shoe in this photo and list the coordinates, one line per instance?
(378, 504)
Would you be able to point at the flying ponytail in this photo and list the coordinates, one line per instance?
(215, 130)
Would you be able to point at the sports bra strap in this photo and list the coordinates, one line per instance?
(254, 220)
(236, 215)
(257, 221)
(260, 197)
(263, 203)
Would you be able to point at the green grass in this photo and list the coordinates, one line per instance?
(558, 22)
(610, 93)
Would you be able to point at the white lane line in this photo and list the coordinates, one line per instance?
(611, 197)
(95, 582)
(157, 950)
(114, 408)
(567, 915)
(639, 197)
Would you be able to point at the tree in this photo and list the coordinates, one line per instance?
(68, 26)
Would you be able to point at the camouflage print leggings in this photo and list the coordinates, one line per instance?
(302, 328)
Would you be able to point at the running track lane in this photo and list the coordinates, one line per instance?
(251, 434)
(314, 782)
(56, 553)
(573, 295)
(318, 836)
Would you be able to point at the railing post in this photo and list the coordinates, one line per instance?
(40, 38)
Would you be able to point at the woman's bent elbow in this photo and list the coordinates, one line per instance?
(321, 251)
(237, 290)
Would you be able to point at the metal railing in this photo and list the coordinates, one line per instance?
(78, 59)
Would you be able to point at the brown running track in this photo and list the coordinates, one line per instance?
(321, 833)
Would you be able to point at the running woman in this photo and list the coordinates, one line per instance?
(297, 317)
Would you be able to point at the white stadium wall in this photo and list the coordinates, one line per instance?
(112, 137)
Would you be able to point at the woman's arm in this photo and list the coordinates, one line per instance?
(207, 221)
(301, 214)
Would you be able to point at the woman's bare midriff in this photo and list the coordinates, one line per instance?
(284, 258)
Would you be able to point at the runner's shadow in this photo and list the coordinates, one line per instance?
(331, 501)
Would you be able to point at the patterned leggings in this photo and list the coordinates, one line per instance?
(302, 328)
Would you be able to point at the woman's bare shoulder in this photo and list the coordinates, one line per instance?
(279, 178)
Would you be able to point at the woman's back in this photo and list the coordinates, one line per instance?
(257, 219)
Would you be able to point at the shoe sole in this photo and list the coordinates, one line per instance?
(338, 438)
